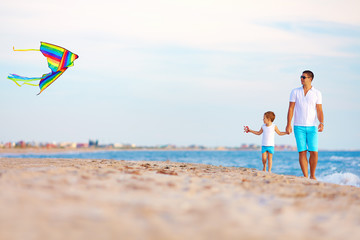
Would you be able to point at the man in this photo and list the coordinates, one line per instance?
(306, 107)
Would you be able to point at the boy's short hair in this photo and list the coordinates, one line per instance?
(310, 73)
(270, 115)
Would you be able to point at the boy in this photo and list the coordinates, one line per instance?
(267, 146)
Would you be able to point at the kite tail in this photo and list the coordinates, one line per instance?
(23, 50)
(25, 80)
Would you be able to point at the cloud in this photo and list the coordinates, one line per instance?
(209, 25)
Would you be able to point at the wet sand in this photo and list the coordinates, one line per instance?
(105, 199)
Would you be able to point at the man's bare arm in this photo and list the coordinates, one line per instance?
(320, 116)
(289, 117)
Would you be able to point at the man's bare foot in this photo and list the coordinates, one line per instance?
(313, 178)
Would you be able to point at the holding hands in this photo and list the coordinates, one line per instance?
(289, 129)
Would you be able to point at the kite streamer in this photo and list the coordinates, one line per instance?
(58, 58)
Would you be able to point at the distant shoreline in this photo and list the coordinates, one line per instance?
(64, 150)
(90, 149)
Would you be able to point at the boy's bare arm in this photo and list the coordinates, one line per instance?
(256, 132)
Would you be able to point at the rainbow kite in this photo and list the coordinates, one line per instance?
(58, 58)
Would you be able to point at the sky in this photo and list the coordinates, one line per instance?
(178, 72)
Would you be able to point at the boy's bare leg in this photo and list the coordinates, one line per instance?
(264, 161)
(303, 163)
(270, 156)
(313, 162)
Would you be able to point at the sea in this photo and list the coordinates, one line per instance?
(340, 167)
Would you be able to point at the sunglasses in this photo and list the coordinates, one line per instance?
(303, 77)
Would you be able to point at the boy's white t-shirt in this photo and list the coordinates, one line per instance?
(268, 135)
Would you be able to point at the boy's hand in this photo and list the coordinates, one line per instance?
(246, 129)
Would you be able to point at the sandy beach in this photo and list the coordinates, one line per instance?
(105, 199)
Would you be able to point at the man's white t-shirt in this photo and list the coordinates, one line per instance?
(305, 113)
(268, 135)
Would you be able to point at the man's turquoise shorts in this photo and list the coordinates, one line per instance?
(306, 138)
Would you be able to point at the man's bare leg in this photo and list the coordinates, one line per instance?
(313, 162)
(303, 163)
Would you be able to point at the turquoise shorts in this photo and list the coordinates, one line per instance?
(269, 149)
(306, 138)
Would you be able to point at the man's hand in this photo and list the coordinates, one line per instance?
(288, 129)
(321, 127)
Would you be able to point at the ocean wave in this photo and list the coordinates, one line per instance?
(343, 158)
(342, 179)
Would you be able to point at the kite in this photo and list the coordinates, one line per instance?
(58, 58)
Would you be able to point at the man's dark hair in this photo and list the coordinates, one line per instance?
(309, 73)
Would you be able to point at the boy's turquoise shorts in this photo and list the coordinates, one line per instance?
(306, 138)
(269, 149)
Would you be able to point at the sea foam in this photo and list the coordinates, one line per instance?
(342, 179)
(343, 158)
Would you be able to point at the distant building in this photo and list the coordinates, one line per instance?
(244, 146)
(20, 144)
(82, 145)
(118, 145)
(67, 145)
(220, 148)
(50, 145)
(93, 143)
(168, 146)
(9, 145)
